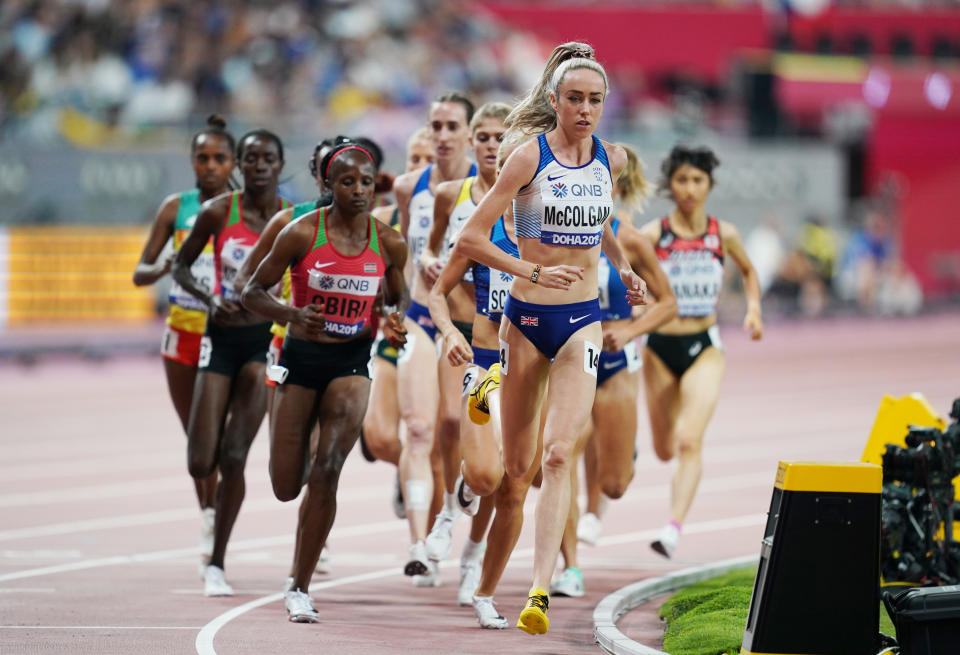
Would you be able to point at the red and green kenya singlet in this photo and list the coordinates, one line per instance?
(232, 246)
(346, 285)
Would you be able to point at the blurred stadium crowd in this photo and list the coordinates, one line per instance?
(145, 73)
(143, 63)
(148, 63)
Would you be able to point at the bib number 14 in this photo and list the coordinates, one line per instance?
(591, 358)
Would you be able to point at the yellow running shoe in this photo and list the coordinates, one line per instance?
(478, 408)
(533, 619)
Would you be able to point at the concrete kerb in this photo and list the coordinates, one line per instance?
(614, 606)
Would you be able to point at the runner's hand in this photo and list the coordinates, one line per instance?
(559, 277)
(753, 323)
(168, 263)
(312, 319)
(636, 287)
(616, 337)
(223, 312)
(430, 268)
(458, 350)
(394, 330)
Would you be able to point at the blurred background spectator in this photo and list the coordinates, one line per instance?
(812, 105)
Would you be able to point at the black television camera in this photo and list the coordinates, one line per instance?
(918, 502)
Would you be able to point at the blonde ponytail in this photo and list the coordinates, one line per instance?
(633, 187)
(511, 141)
(533, 114)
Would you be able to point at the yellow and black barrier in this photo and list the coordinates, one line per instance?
(816, 590)
(64, 273)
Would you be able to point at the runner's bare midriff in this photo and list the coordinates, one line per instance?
(532, 250)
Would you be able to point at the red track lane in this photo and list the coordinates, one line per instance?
(99, 529)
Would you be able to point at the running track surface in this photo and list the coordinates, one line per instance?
(99, 529)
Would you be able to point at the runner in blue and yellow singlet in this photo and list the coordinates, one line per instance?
(610, 435)
(380, 437)
(417, 384)
(212, 158)
(455, 202)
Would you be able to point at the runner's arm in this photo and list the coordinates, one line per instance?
(636, 286)
(458, 350)
(733, 244)
(429, 264)
(210, 220)
(148, 269)
(643, 259)
(474, 242)
(396, 294)
(290, 245)
(279, 221)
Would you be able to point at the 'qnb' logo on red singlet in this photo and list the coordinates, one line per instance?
(345, 286)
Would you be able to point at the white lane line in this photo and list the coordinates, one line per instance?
(740, 450)
(99, 627)
(746, 521)
(93, 492)
(638, 494)
(27, 590)
(40, 553)
(367, 492)
(60, 468)
(205, 637)
(160, 555)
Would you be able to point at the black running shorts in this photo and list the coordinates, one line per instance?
(225, 350)
(314, 365)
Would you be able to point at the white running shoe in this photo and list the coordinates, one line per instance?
(323, 564)
(399, 508)
(440, 539)
(589, 528)
(215, 583)
(419, 563)
(487, 614)
(468, 501)
(568, 583)
(300, 607)
(666, 542)
(429, 579)
(470, 571)
(208, 516)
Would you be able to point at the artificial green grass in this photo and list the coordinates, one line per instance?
(708, 618)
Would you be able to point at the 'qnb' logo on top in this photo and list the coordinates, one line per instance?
(578, 190)
(354, 285)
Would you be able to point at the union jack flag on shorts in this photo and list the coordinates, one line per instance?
(530, 320)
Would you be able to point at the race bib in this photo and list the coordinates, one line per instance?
(273, 354)
(499, 290)
(591, 358)
(504, 356)
(405, 353)
(634, 363)
(714, 333)
(603, 276)
(170, 343)
(206, 351)
(470, 380)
